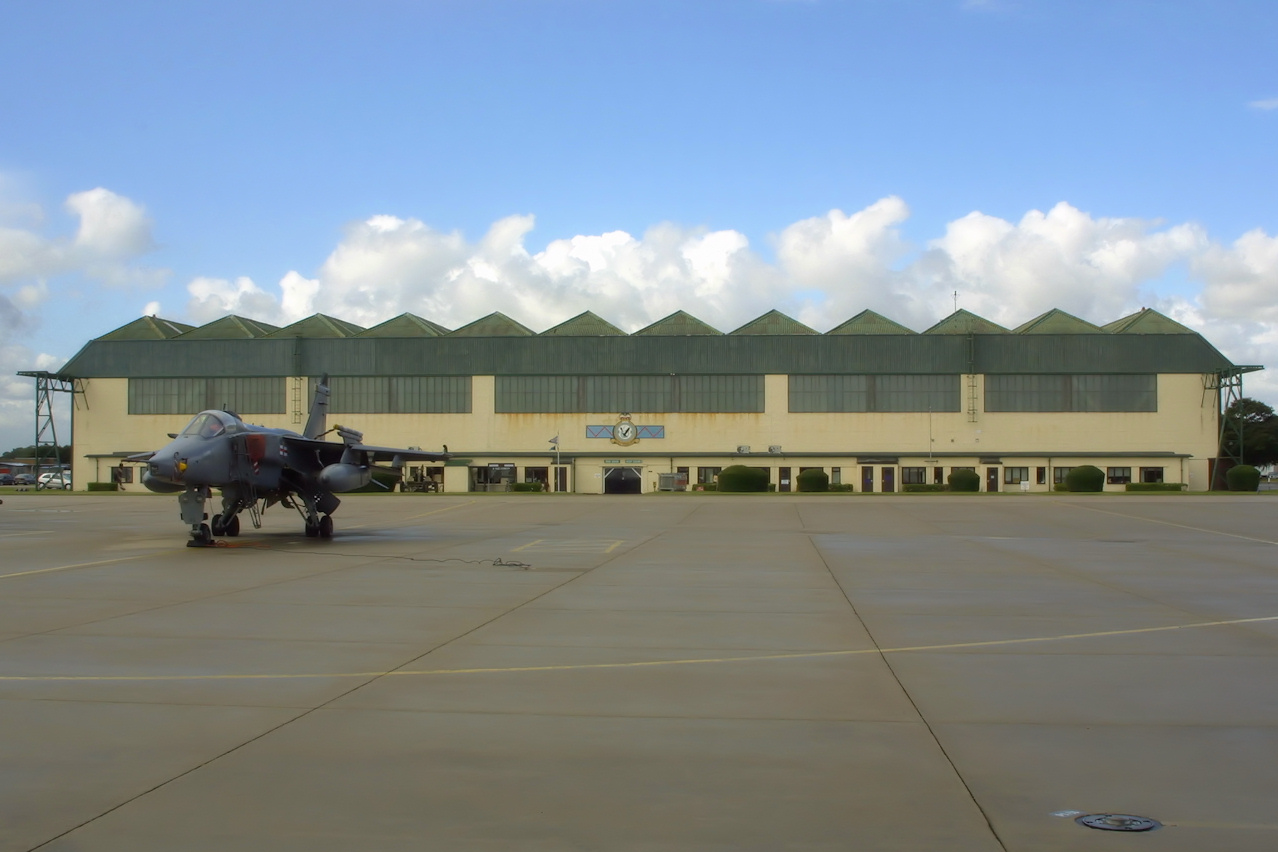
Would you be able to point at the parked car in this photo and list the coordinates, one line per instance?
(24, 479)
(6, 479)
(54, 479)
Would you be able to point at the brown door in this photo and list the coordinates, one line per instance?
(889, 480)
(867, 479)
(785, 479)
(991, 479)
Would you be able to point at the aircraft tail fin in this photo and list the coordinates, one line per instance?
(315, 424)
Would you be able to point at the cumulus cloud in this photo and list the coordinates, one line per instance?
(113, 232)
(1266, 104)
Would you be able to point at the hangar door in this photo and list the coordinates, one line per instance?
(623, 480)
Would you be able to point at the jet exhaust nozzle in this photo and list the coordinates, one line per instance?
(344, 477)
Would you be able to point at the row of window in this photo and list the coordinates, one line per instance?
(654, 394)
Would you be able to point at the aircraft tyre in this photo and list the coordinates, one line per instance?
(218, 529)
(312, 530)
(326, 526)
(202, 537)
(233, 526)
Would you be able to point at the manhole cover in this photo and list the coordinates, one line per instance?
(1118, 822)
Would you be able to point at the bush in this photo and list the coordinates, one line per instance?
(526, 486)
(738, 477)
(922, 487)
(964, 480)
(1088, 477)
(1242, 477)
(1155, 486)
(104, 486)
(843, 486)
(814, 479)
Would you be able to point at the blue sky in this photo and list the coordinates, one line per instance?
(543, 158)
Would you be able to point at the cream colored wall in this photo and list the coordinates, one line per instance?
(1185, 423)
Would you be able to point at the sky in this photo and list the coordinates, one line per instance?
(547, 157)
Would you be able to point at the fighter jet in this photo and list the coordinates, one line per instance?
(257, 467)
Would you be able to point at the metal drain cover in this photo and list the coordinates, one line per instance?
(1118, 822)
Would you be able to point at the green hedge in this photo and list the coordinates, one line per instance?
(740, 478)
(1085, 478)
(921, 487)
(964, 480)
(104, 486)
(814, 479)
(842, 486)
(1242, 477)
(1155, 486)
(525, 486)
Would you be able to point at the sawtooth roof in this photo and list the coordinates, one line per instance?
(774, 322)
(230, 328)
(495, 324)
(584, 324)
(1146, 321)
(679, 323)
(869, 322)
(406, 325)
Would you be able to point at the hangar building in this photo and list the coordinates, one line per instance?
(585, 407)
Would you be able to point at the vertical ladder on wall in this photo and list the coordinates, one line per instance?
(971, 378)
(297, 399)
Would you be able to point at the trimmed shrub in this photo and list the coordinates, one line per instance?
(104, 486)
(1155, 486)
(526, 486)
(964, 480)
(843, 486)
(814, 479)
(924, 487)
(1088, 477)
(738, 477)
(1242, 477)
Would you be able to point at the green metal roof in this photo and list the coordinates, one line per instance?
(148, 328)
(316, 346)
(679, 323)
(495, 324)
(319, 326)
(1057, 321)
(774, 322)
(868, 322)
(965, 322)
(585, 324)
(229, 328)
(405, 325)
(1146, 321)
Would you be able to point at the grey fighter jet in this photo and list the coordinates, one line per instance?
(257, 466)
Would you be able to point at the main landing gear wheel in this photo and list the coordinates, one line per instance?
(326, 526)
(312, 530)
(233, 526)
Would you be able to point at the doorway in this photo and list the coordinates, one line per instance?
(889, 480)
(991, 479)
(867, 479)
(623, 480)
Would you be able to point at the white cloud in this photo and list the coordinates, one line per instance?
(1240, 281)
(1266, 104)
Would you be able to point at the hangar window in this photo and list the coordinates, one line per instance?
(400, 394)
(1151, 474)
(913, 476)
(1083, 392)
(691, 393)
(1059, 474)
(887, 393)
(241, 394)
(1118, 475)
(1015, 475)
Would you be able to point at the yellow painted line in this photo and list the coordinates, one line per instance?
(1173, 524)
(528, 545)
(414, 517)
(445, 509)
(797, 655)
(76, 565)
(614, 546)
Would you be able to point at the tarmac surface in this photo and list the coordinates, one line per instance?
(663, 672)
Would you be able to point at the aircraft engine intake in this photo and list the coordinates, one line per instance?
(160, 486)
(344, 477)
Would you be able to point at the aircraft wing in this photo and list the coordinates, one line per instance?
(330, 452)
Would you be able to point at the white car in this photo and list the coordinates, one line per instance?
(54, 479)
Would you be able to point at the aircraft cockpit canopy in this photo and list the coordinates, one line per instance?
(210, 424)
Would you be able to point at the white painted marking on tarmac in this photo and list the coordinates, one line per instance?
(76, 565)
(754, 658)
(1173, 524)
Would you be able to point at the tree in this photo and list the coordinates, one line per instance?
(64, 453)
(1259, 432)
